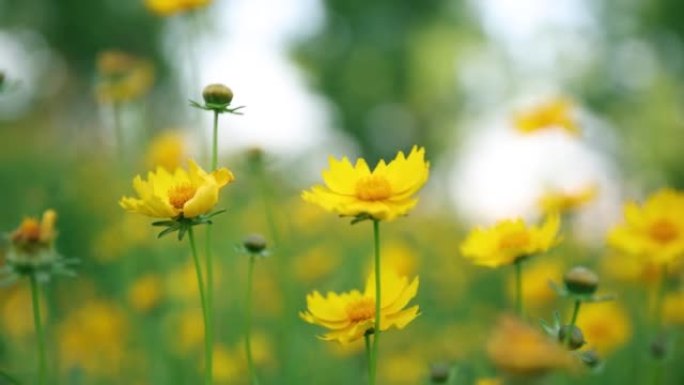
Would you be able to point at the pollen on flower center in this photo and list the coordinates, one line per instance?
(181, 193)
(514, 240)
(373, 188)
(663, 231)
(361, 310)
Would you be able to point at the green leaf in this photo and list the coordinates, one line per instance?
(166, 231)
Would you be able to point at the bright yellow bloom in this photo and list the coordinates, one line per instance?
(561, 202)
(187, 193)
(122, 77)
(509, 240)
(518, 349)
(169, 7)
(167, 150)
(383, 194)
(606, 326)
(654, 230)
(555, 114)
(350, 315)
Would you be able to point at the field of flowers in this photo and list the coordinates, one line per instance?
(143, 255)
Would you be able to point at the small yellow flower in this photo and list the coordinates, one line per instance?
(145, 293)
(561, 201)
(169, 7)
(555, 114)
(606, 326)
(33, 242)
(509, 240)
(536, 291)
(188, 193)
(350, 315)
(167, 150)
(383, 194)
(122, 77)
(518, 349)
(654, 230)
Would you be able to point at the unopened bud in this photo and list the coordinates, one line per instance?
(439, 373)
(590, 358)
(574, 341)
(217, 94)
(580, 280)
(254, 243)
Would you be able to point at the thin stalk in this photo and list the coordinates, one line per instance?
(40, 333)
(518, 287)
(118, 131)
(369, 354)
(214, 143)
(378, 300)
(248, 324)
(660, 298)
(573, 321)
(208, 374)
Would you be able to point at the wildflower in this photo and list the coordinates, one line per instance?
(385, 193)
(122, 77)
(17, 313)
(561, 202)
(581, 281)
(606, 326)
(510, 240)
(521, 350)
(169, 7)
(166, 150)
(536, 292)
(554, 114)
(351, 315)
(184, 194)
(654, 230)
(145, 293)
(217, 98)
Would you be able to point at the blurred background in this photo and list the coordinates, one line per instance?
(95, 92)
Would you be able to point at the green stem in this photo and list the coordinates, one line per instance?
(518, 287)
(573, 321)
(378, 300)
(40, 333)
(369, 354)
(200, 283)
(660, 298)
(248, 323)
(214, 143)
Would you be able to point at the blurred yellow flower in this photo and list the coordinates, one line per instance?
(167, 150)
(397, 256)
(537, 291)
(122, 77)
(169, 7)
(654, 230)
(673, 308)
(510, 240)
(403, 368)
(17, 312)
(383, 194)
(315, 264)
(565, 201)
(518, 349)
(605, 325)
(145, 292)
(188, 193)
(188, 330)
(350, 315)
(489, 381)
(226, 365)
(554, 114)
(33, 242)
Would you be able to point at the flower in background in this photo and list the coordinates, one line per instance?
(145, 293)
(489, 381)
(350, 315)
(654, 229)
(605, 325)
(510, 240)
(170, 7)
(122, 77)
(554, 114)
(518, 349)
(673, 308)
(385, 193)
(17, 312)
(167, 150)
(566, 201)
(537, 291)
(186, 194)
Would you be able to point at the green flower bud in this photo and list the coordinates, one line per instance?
(574, 341)
(254, 243)
(217, 94)
(590, 358)
(439, 373)
(580, 280)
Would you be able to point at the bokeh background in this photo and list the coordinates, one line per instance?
(319, 78)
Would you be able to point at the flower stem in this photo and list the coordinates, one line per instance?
(200, 283)
(378, 300)
(40, 333)
(214, 143)
(660, 298)
(518, 287)
(369, 354)
(573, 321)
(248, 323)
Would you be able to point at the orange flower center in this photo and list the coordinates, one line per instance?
(361, 310)
(663, 231)
(514, 240)
(28, 232)
(373, 188)
(181, 193)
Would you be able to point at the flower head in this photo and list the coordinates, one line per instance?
(351, 315)
(183, 193)
(510, 240)
(169, 7)
(385, 193)
(122, 77)
(167, 150)
(654, 229)
(565, 201)
(606, 326)
(554, 114)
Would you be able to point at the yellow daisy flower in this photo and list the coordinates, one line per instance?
(188, 193)
(554, 114)
(169, 7)
(382, 194)
(350, 315)
(510, 240)
(654, 229)
(561, 201)
(606, 326)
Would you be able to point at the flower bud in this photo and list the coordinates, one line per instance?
(574, 341)
(590, 358)
(439, 373)
(580, 280)
(254, 243)
(217, 94)
(659, 347)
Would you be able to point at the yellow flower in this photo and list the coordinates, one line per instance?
(169, 7)
(145, 293)
(187, 193)
(554, 114)
(350, 315)
(654, 230)
(17, 312)
(509, 240)
(518, 349)
(606, 326)
(33, 241)
(489, 381)
(536, 291)
(166, 150)
(673, 308)
(122, 77)
(383, 194)
(565, 201)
